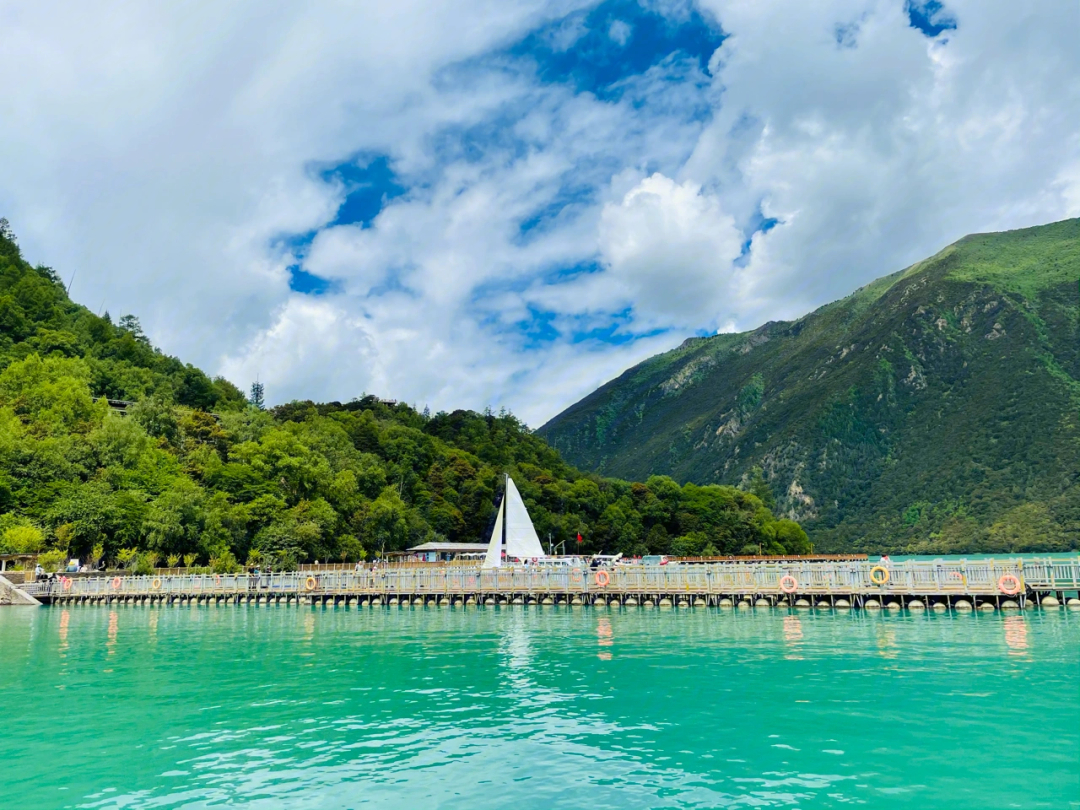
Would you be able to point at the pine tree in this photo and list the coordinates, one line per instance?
(129, 323)
(760, 487)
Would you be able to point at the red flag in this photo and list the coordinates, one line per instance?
(579, 537)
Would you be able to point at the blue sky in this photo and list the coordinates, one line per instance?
(465, 204)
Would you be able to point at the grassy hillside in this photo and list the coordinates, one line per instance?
(935, 409)
(196, 473)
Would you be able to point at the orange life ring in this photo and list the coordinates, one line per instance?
(602, 578)
(1014, 590)
(575, 575)
(794, 586)
(156, 584)
(310, 583)
(66, 582)
(884, 575)
(116, 583)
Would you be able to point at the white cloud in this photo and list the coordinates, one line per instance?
(876, 156)
(162, 151)
(620, 31)
(672, 249)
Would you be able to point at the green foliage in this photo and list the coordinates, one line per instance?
(760, 487)
(22, 540)
(188, 471)
(53, 560)
(792, 537)
(225, 563)
(934, 410)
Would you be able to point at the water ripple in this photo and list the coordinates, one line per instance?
(269, 708)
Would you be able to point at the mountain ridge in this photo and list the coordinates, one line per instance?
(920, 381)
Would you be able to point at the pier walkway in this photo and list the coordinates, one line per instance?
(979, 584)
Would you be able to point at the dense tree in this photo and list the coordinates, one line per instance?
(189, 469)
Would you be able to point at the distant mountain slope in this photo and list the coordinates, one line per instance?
(934, 409)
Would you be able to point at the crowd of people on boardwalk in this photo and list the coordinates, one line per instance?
(41, 575)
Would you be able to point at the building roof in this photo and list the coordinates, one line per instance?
(449, 547)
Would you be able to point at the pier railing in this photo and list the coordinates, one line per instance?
(909, 578)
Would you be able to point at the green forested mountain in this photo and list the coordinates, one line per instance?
(934, 410)
(195, 472)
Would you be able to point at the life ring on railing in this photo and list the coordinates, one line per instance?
(883, 575)
(603, 579)
(1016, 585)
(310, 583)
(156, 584)
(66, 583)
(116, 583)
(789, 588)
(576, 576)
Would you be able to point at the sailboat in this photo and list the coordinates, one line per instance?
(514, 532)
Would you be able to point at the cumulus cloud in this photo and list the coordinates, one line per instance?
(550, 227)
(874, 156)
(672, 248)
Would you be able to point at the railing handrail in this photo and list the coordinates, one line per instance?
(907, 577)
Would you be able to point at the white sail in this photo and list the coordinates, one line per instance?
(521, 539)
(494, 549)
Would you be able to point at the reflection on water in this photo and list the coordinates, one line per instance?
(604, 638)
(1016, 630)
(793, 635)
(517, 652)
(65, 620)
(530, 708)
(114, 626)
(886, 642)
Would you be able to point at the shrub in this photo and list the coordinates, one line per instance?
(53, 560)
(225, 563)
(144, 563)
(126, 557)
(23, 540)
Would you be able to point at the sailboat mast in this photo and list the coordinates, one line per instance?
(506, 493)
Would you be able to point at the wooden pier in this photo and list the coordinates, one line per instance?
(976, 585)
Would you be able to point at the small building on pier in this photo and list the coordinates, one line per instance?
(438, 552)
(17, 562)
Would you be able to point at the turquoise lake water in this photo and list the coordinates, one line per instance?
(282, 707)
